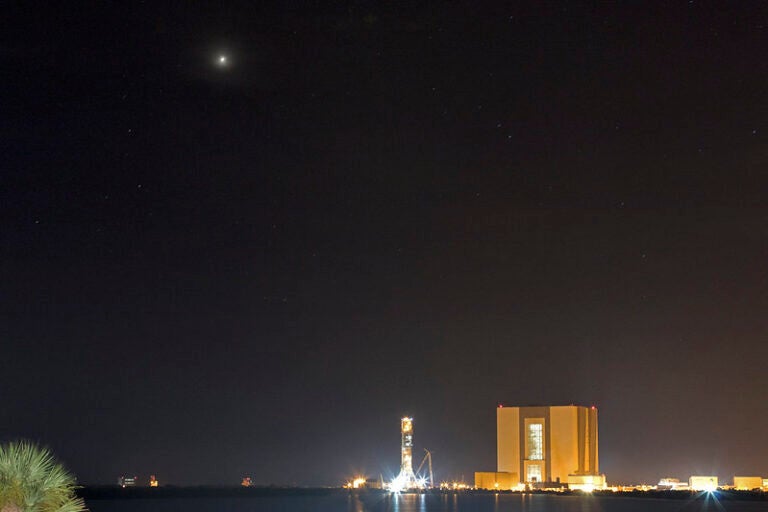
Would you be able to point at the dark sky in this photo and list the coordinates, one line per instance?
(376, 210)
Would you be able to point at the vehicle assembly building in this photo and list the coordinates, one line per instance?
(545, 446)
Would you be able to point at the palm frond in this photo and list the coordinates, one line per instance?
(32, 480)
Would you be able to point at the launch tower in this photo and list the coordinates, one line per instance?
(407, 477)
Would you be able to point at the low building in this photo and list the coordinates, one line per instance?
(672, 484)
(373, 483)
(586, 483)
(703, 483)
(496, 480)
(747, 483)
(127, 481)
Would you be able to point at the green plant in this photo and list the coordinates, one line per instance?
(32, 481)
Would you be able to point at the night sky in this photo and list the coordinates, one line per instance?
(210, 270)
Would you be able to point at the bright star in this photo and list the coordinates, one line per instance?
(222, 61)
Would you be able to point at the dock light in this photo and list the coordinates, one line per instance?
(397, 484)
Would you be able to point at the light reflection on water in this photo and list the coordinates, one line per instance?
(541, 503)
(426, 503)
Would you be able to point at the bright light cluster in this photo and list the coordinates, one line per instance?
(453, 486)
(397, 484)
(703, 483)
(401, 483)
(356, 483)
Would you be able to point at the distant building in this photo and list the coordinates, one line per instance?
(127, 481)
(495, 480)
(362, 482)
(747, 483)
(703, 483)
(546, 446)
(153, 481)
(246, 481)
(671, 484)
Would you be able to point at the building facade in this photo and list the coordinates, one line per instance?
(494, 480)
(549, 445)
(703, 483)
(127, 481)
(747, 483)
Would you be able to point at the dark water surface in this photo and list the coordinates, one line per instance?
(425, 503)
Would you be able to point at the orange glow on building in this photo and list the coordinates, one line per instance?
(545, 447)
(359, 482)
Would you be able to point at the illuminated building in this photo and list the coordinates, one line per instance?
(703, 483)
(356, 483)
(747, 483)
(246, 481)
(153, 481)
(362, 482)
(546, 446)
(127, 481)
(495, 480)
(671, 484)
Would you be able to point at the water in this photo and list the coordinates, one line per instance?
(426, 503)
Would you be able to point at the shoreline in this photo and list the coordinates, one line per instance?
(181, 492)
